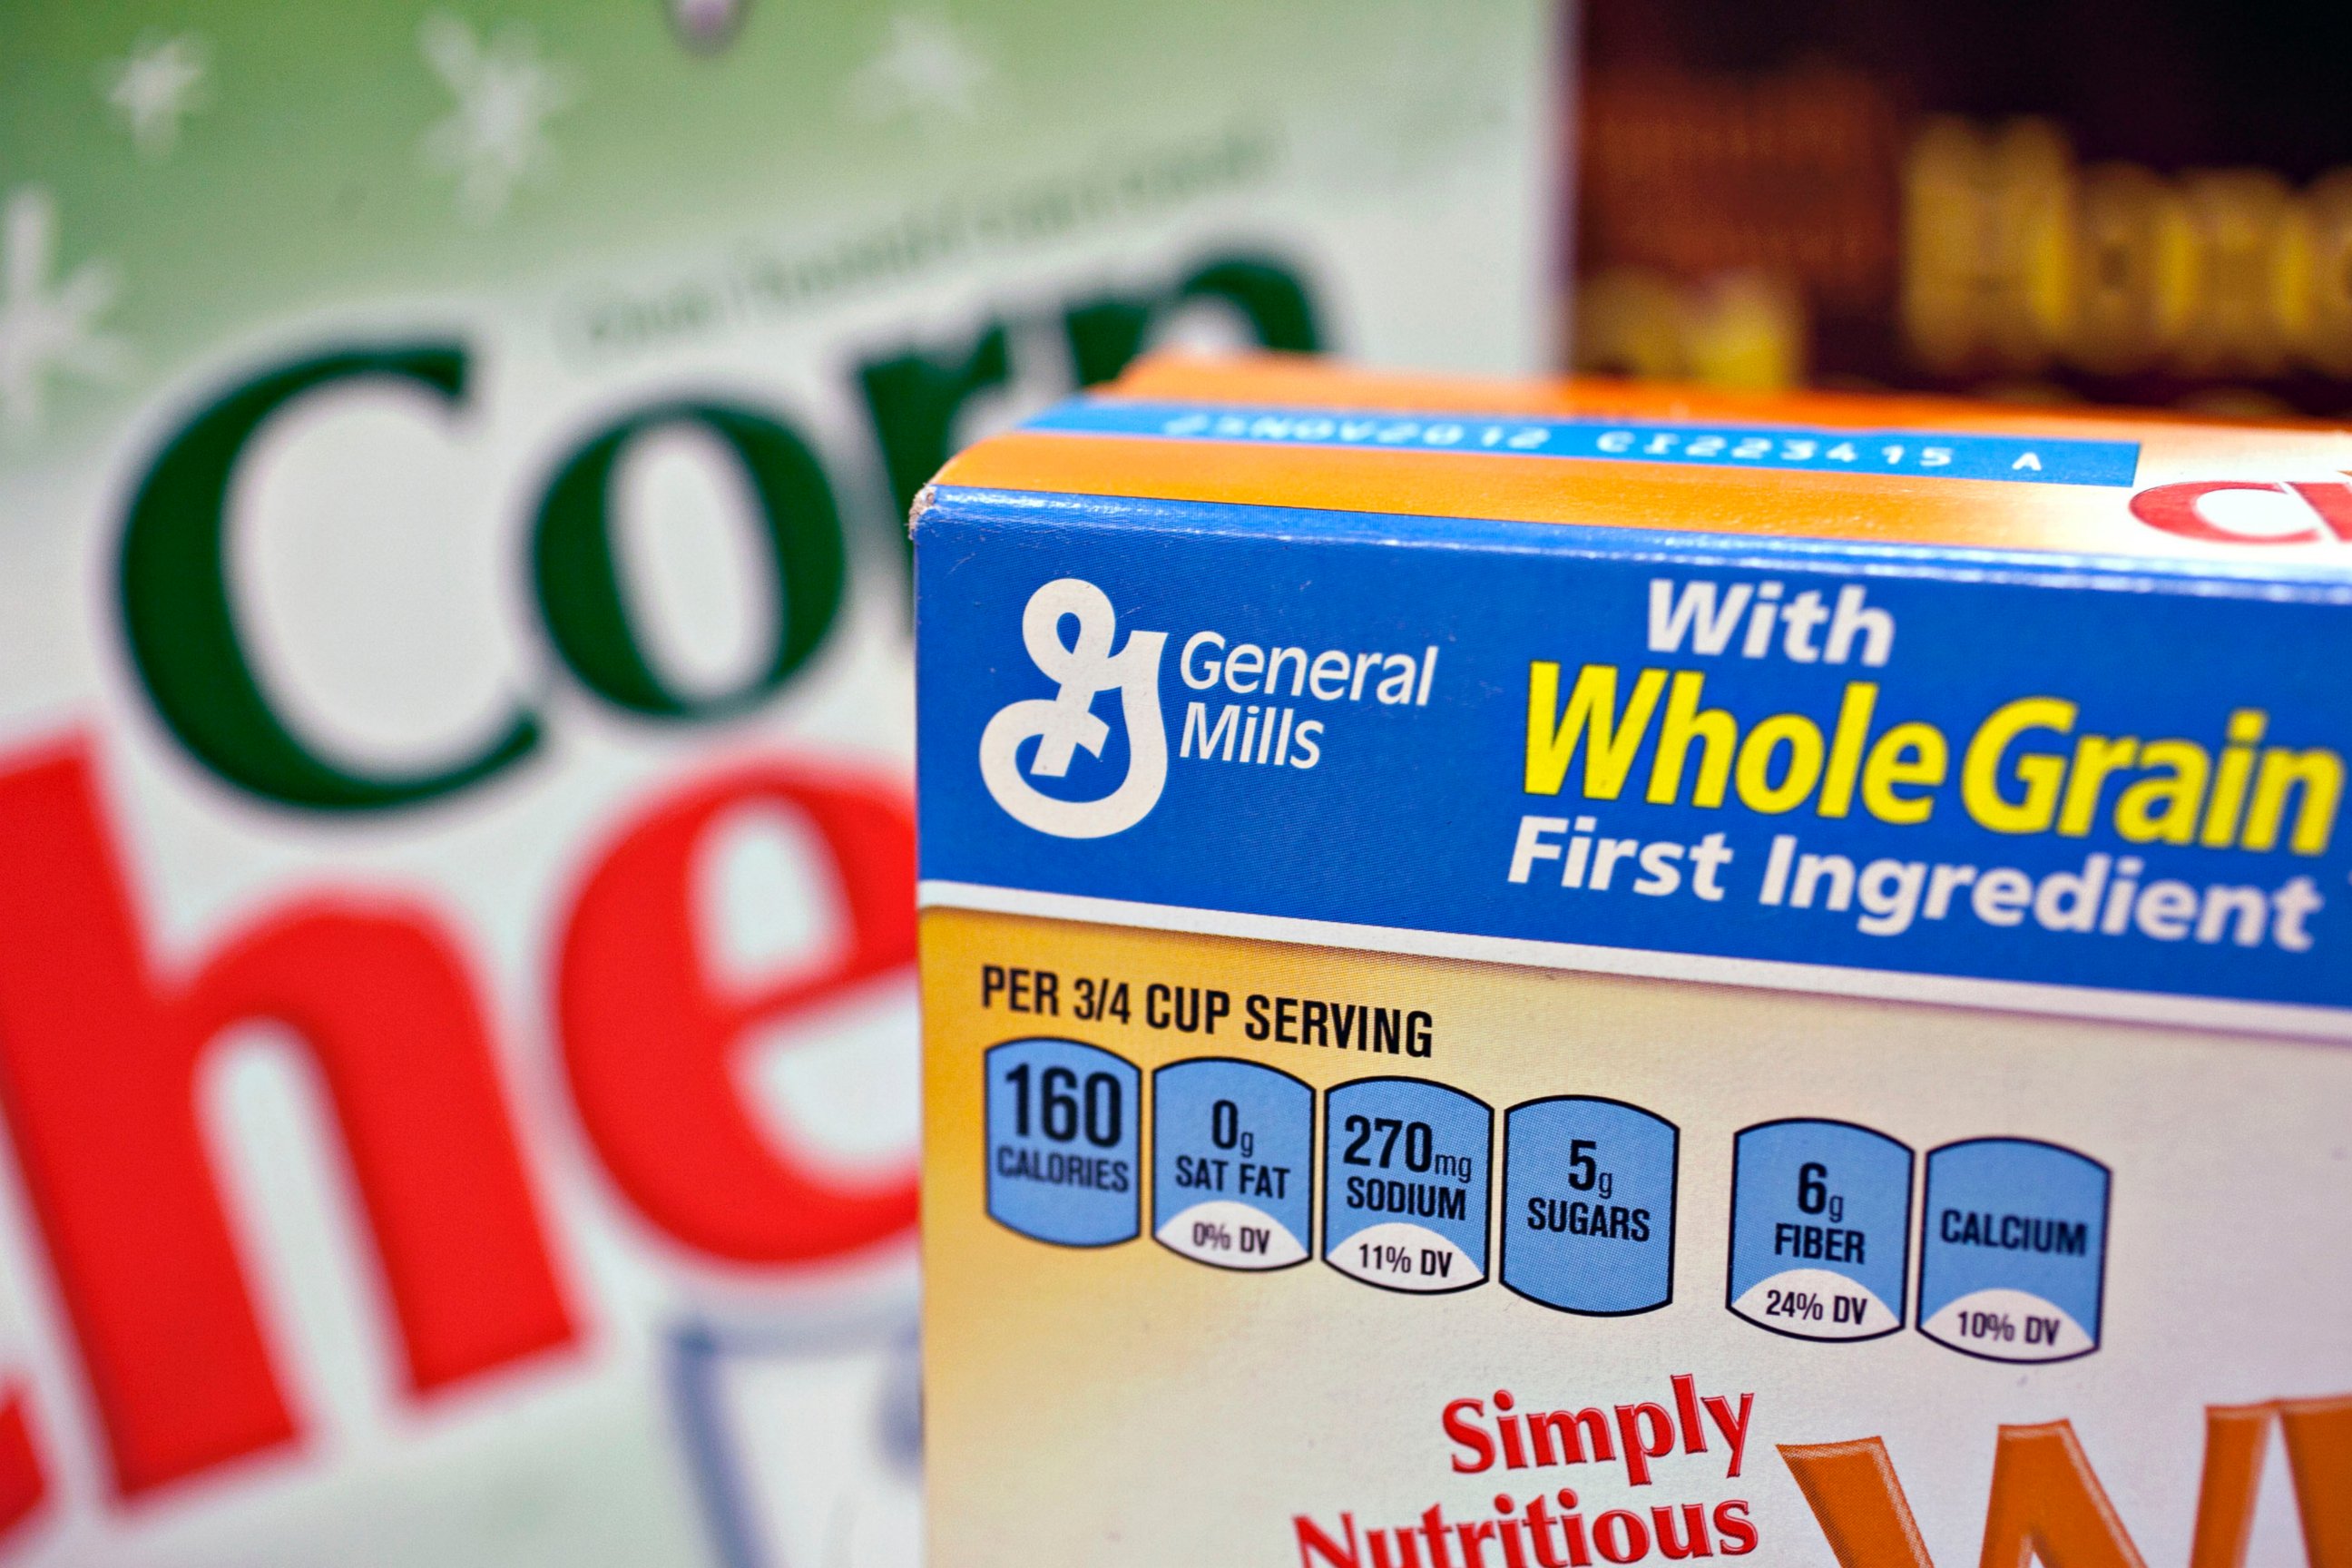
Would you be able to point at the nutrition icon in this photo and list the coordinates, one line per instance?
(1821, 1226)
(1589, 1205)
(2012, 1249)
(1406, 1173)
(1063, 1137)
(1233, 1162)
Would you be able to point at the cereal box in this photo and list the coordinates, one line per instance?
(1562, 976)
(457, 995)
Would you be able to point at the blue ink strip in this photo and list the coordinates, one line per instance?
(1925, 454)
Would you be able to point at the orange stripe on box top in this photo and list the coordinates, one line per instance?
(1304, 381)
(1620, 493)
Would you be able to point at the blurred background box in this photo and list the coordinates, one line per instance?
(2047, 201)
(456, 1000)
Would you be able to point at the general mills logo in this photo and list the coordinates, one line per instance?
(1063, 723)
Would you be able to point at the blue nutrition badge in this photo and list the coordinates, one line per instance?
(1821, 1229)
(1406, 1169)
(1233, 1164)
(1589, 1205)
(2014, 1249)
(1063, 1142)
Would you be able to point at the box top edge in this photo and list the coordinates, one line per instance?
(1284, 431)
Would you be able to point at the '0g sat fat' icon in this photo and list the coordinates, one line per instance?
(1233, 1155)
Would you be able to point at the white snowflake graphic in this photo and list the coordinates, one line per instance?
(156, 85)
(929, 72)
(46, 326)
(495, 139)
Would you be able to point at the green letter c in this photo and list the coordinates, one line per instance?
(181, 625)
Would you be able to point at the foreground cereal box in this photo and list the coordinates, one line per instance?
(1554, 976)
(457, 1031)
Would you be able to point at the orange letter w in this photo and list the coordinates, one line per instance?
(2047, 1503)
